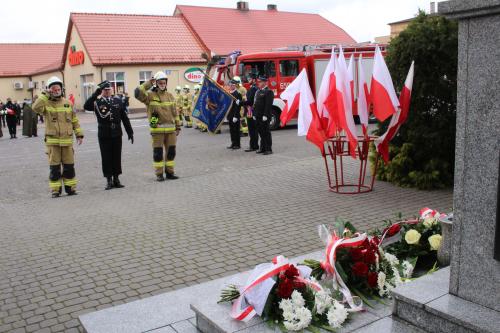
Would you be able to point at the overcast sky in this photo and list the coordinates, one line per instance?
(38, 21)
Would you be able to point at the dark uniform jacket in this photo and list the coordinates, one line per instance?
(110, 113)
(234, 112)
(263, 103)
(250, 98)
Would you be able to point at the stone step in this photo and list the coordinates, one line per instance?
(426, 303)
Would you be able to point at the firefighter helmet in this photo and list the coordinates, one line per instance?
(54, 80)
(178, 88)
(187, 87)
(160, 76)
(197, 87)
(237, 79)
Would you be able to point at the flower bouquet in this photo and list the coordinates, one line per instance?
(287, 298)
(358, 265)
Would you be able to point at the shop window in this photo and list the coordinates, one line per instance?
(117, 80)
(289, 68)
(145, 76)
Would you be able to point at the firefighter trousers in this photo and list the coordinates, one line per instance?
(252, 133)
(61, 155)
(164, 152)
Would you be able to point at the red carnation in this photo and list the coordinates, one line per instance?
(285, 288)
(357, 254)
(393, 229)
(359, 269)
(372, 279)
(370, 257)
(291, 272)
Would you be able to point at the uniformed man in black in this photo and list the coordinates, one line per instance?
(233, 116)
(263, 104)
(248, 114)
(110, 113)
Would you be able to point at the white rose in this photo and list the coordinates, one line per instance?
(435, 242)
(412, 236)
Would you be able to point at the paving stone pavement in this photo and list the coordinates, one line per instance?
(229, 211)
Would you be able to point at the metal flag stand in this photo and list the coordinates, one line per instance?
(336, 149)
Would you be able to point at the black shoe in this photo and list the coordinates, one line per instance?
(109, 184)
(230, 147)
(56, 194)
(71, 193)
(236, 147)
(267, 152)
(260, 151)
(171, 176)
(116, 182)
(249, 150)
(159, 178)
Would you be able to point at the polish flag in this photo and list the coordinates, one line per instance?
(398, 119)
(341, 96)
(299, 95)
(384, 99)
(326, 83)
(350, 75)
(363, 97)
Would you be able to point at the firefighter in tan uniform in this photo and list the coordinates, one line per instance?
(186, 102)
(196, 92)
(164, 123)
(61, 122)
(243, 91)
(178, 104)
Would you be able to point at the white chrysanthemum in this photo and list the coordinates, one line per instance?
(300, 319)
(381, 283)
(336, 315)
(392, 259)
(429, 222)
(297, 299)
(322, 300)
(286, 305)
(407, 269)
(396, 280)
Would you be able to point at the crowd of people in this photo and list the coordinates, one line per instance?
(167, 114)
(14, 114)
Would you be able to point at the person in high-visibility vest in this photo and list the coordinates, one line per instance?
(187, 100)
(178, 103)
(163, 121)
(60, 126)
(243, 92)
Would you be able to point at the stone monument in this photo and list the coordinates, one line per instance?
(469, 299)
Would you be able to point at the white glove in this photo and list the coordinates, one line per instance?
(254, 118)
(264, 118)
(237, 102)
(235, 119)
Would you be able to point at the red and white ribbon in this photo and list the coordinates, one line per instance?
(245, 312)
(333, 244)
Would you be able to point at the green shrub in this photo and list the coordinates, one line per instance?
(423, 152)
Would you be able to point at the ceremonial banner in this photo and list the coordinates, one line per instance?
(212, 104)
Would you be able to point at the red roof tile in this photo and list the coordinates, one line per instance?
(136, 39)
(224, 30)
(20, 59)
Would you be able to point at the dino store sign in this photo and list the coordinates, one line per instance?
(194, 74)
(75, 57)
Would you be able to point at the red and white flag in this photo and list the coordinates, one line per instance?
(350, 76)
(363, 97)
(326, 83)
(383, 96)
(398, 119)
(299, 94)
(341, 96)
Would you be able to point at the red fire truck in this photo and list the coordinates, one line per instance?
(283, 65)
